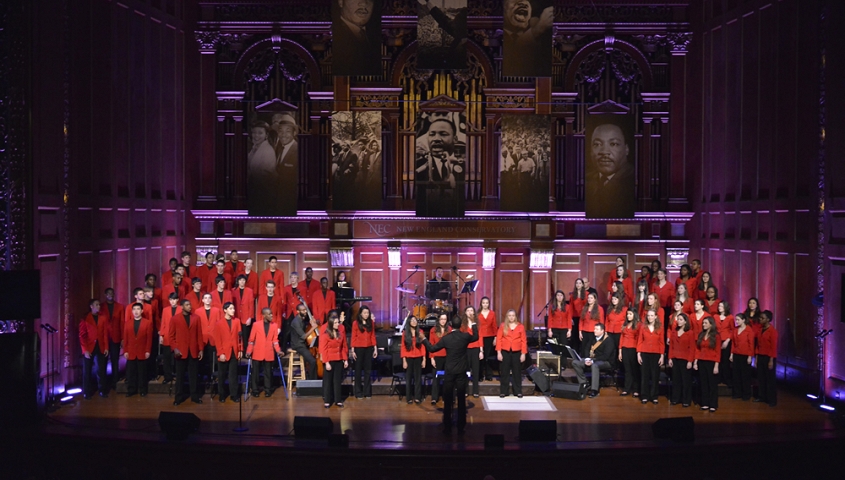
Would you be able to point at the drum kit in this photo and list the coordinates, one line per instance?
(425, 309)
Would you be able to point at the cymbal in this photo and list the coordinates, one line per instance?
(404, 290)
(418, 297)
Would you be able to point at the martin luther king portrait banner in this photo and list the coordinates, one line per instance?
(440, 164)
(356, 37)
(442, 34)
(527, 44)
(610, 179)
(273, 165)
(524, 163)
(357, 179)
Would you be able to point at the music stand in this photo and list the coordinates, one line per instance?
(469, 288)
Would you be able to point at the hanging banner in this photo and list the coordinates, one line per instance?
(440, 164)
(610, 181)
(524, 163)
(356, 37)
(357, 179)
(273, 165)
(442, 35)
(527, 43)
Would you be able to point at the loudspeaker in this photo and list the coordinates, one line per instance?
(178, 425)
(20, 370)
(539, 378)
(309, 388)
(680, 429)
(312, 427)
(572, 391)
(339, 440)
(494, 441)
(537, 430)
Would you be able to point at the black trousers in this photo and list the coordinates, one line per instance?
(451, 383)
(742, 377)
(510, 371)
(489, 356)
(88, 366)
(589, 338)
(435, 381)
(152, 362)
(310, 362)
(332, 380)
(681, 382)
(709, 384)
(167, 362)
(228, 370)
(574, 341)
(257, 368)
(632, 370)
(364, 372)
(191, 365)
(246, 330)
(766, 389)
(209, 353)
(595, 372)
(474, 367)
(114, 359)
(725, 367)
(413, 375)
(650, 376)
(136, 376)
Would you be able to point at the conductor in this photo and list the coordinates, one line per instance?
(456, 366)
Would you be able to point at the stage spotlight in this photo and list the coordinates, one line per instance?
(74, 391)
(66, 399)
(812, 397)
(827, 408)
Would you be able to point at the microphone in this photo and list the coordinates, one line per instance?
(416, 267)
(454, 268)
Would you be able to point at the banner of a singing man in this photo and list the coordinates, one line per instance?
(440, 164)
(442, 34)
(356, 37)
(610, 179)
(357, 179)
(527, 43)
(273, 165)
(524, 163)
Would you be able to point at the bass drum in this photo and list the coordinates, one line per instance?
(429, 321)
(420, 311)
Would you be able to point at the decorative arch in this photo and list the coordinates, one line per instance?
(411, 49)
(281, 43)
(621, 45)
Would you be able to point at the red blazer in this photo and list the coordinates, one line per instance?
(767, 342)
(650, 342)
(688, 306)
(628, 288)
(414, 352)
(217, 302)
(146, 313)
(487, 326)
(262, 346)
(613, 321)
(695, 323)
(170, 288)
(699, 294)
(228, 340)
(682, 347)
(704, 352)
(691, 283)
(166, 315)
(244, 304)
(612, 278)
(291, 301)
(559, 319)
(207, 275)
(166, 278)
(308, 292)
(433, 338)
(629, 337)
(476, 344)
(195, 299)
(726, 327)
(276, 306)
(115, 320)
(712, 309)
(155, 309)
(363, 339)
(137, 345)
(660, 316)
(234, 270)
(209, 320)
(229, 281)
(277, 276)
(576, 305)
(322, 305)
(666, 294)
(743, 343)
(335, 349)
(252, 282)
(514, 341)
(588, 323)
(93, 330)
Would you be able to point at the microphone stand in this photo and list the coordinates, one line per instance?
(402, 294)
(241, 428)
(457, 302)
(546, 322)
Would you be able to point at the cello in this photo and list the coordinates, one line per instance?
(313, 336)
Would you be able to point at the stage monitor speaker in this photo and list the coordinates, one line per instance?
(681, 429)
(537, 430)
(539, 378)
(494, 441)
(312, 427)
(309, 388)
(178, 425)
(20, 370)
(21, 299)
(339, 440)
(572, 391)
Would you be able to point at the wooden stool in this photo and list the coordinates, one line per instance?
(295, 360)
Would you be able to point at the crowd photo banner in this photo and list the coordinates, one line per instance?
(273, 165)
(442, 34)
(527, 43)
(524, 163)
(356, 160)
(356, 37)
(610, 179)
(440, 164)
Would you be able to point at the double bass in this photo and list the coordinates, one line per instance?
(313, 336)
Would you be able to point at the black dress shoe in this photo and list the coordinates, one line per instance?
(255, 394)
(178, 402)
(143, 394)
(102, 394)
(236, 399)
(327, 405)
(474, 395)
(593, 394)
(196, 400)
(222, 399)
(519, 395)
(758, 400)
(501, 395)
(87, 396)
(130, 395)
(268, 394)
